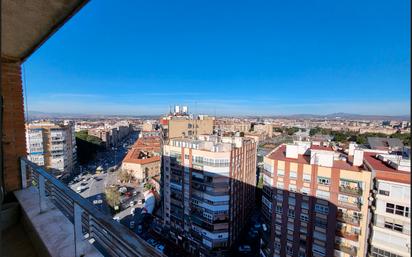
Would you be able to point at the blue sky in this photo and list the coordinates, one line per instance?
(226, 57)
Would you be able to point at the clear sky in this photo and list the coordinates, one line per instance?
(226, 57)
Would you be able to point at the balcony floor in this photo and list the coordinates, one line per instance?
(16, 243)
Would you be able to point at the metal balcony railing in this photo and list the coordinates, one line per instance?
(350, 190)
(110, 237)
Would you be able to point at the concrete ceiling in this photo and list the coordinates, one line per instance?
(27, 24)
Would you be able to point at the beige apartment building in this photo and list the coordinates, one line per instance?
(186, 126)
(52, 146)
(315, 202)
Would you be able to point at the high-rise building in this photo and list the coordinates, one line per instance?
(209, 185)
(52, 146)
(392, 204)
(315, 202)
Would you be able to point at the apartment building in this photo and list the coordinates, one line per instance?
(314, 202)
(52, 146)
(175, 126)
(111, 135)
(143, 159)
(390, 222)
(208, 191)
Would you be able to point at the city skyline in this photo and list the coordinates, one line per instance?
(227, 59)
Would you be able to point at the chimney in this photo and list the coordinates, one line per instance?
(352, 146)
(358, 157)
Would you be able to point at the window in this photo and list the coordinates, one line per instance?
(289, 250)
(278, 209)
(293, 174)
(268, 167)
(321, 209)
(306, 177)
(305, 190)
(279, 185)
(319, 222)
(304, 217)
(292, 188)
(322, 194)
(324, 181)
(394, 226)
(384, 192)
(281, 172)
(376, 252)
(291, 213)
(397, 209)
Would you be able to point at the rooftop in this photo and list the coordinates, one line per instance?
(385, 171)
(280, 155)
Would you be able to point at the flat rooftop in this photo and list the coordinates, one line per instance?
(384, 171)
(280, 155)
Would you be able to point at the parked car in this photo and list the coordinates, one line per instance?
(160, 248)
(132, 224)
(151, 241)
(139, 229)
(131, 204)
(123, 190)
(117, 219)
(245, 249)
(132, 211)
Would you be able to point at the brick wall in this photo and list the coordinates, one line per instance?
(14, 142)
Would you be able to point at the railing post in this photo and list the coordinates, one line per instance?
(42, 194)
(23, 173)
(78, 233)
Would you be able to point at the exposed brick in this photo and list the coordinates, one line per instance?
(13, 123)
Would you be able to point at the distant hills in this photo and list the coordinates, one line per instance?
(35, 115)
(344, 116)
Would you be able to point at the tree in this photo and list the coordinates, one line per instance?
(87, 146)
(149, 186)
(112, 196)
(124, 176)
(405, 137)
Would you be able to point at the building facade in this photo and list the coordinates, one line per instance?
(208, 191)
(52, 146)
(143, 159)
(390, 223)
(314, 202)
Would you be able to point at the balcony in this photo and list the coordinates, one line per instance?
(350, 219)
(351, 250)
(353, 206)
(348, 235)
(356, 191)
(69, 225)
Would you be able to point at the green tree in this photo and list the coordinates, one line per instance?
(112, 196)
(405, 137)
(87, 146)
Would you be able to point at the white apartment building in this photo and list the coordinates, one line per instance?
(390, 235)
(52, 146)
(208, 191)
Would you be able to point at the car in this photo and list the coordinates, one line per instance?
(244, 249)
(139, 229)
(257, 226)
(131, 224)
(264, 227)
(117, 219)
(123, 190)
(131, 203)
(134, 193)
(128, 194)
(160, 248)
(151, 241)
(132, 211)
